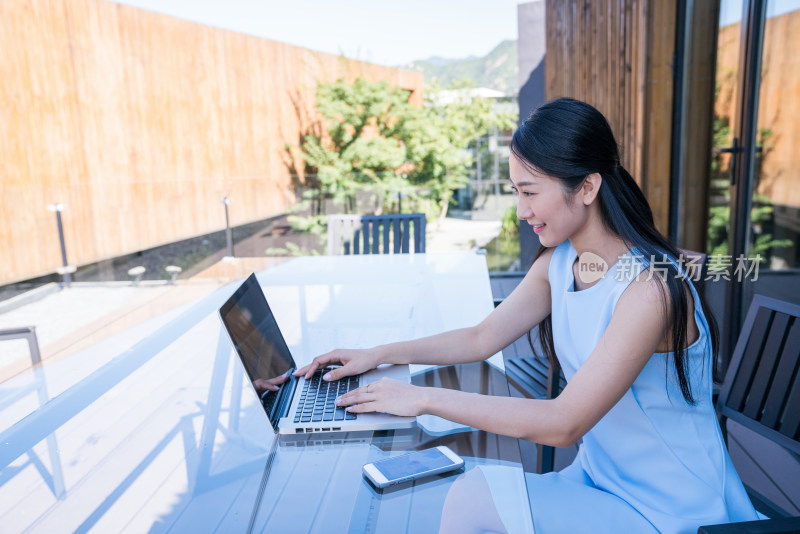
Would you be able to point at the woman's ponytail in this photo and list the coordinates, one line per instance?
(568, 140)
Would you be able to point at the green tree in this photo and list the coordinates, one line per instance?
(373, 139)
(439, 144)
(358, 145)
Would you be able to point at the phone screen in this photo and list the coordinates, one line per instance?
(410, 464)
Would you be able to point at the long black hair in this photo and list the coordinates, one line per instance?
(567, 140)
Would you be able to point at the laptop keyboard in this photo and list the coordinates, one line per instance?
(318, 398)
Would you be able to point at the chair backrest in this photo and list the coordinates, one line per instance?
(24, 332)
(376, 234)
(762, 385)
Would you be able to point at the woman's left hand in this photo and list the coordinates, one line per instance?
(386, 395)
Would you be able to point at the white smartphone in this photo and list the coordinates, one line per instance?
(412, 466)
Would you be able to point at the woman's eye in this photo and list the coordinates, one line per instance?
(527, 194)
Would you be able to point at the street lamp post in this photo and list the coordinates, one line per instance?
(227, 201)
(58, 208)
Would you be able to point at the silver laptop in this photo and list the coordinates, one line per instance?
(299, 405)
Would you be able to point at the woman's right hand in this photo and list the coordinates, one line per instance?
(353, 362)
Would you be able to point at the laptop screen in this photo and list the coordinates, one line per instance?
(257, 339)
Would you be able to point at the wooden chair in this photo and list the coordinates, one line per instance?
(27, 333)
(761, 392)
(533, 376)
(376, 234)
(503, 283)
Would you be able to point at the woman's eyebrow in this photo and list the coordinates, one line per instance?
(520, 184)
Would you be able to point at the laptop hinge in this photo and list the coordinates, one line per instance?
(285, 397)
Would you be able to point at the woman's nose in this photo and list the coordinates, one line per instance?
(523, 212)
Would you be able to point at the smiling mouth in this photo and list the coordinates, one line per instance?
(538, 227)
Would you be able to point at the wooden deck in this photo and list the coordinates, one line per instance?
(768, 468)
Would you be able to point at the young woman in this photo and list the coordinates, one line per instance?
(636, 345)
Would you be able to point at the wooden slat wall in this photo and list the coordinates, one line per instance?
(141, 123)
(617, 55)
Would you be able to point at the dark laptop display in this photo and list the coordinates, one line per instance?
(260, 344)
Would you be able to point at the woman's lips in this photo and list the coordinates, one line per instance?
(538, 227)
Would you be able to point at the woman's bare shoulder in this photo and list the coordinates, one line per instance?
(541, 266)
(537, 280)
(650, 287)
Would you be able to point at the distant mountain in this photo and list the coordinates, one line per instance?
(439, 61)
(496, 70)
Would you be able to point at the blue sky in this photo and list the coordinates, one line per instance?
(731, 10)
(384, 32)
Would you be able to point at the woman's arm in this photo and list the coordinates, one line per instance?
(527, 305)
(632, 336)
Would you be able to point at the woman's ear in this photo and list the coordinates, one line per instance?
(591, 188)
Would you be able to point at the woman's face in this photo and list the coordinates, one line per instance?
(541, 202)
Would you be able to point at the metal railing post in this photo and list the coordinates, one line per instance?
(66, 272)
(226, 201)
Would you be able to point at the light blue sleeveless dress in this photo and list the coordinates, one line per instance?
(653, 463)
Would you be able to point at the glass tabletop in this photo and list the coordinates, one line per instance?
(314, 483)
(158, 429)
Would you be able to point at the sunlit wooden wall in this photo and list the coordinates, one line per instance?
(141, 123)
(617, 55)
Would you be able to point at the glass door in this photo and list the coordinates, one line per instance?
(754, 211)
(774, 221)
(725, 141)
(726, 153)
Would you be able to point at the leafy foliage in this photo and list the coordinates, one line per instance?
(373, 139)
(358, 145)
(761, 213)
(510, 223)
